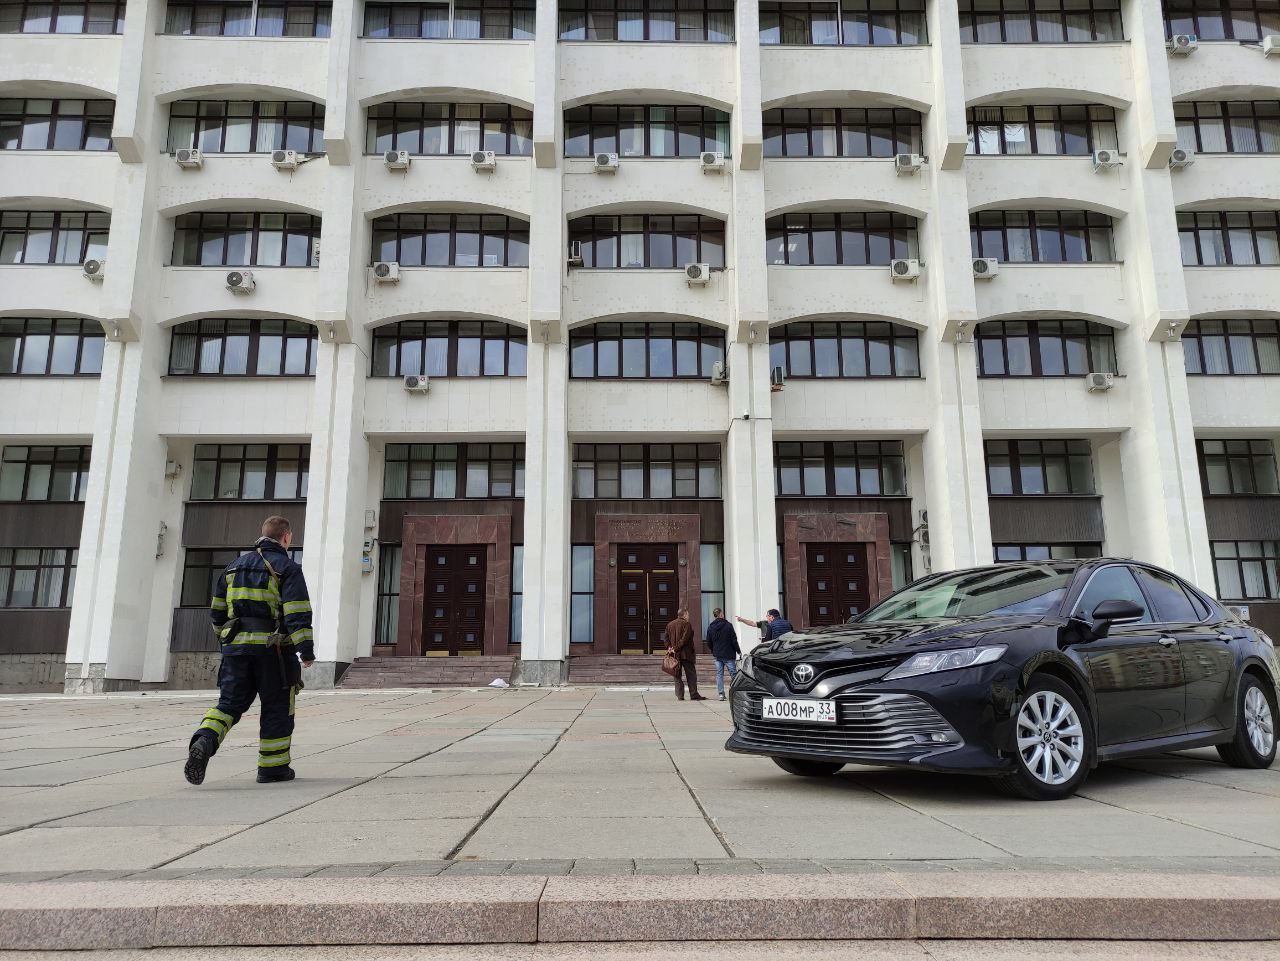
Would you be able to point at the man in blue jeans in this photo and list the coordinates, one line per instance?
(722, 641)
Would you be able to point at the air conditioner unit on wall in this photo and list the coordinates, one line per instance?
(286, 159)
(417, 383)
(386, 272)
(712, 161)
(575, 253)
(606, 163)
(484, 160)
(1182, 45)
(189, 158)
(904, 269)
(1271, 46)
(94, 269)
(907, 163)
(397, 159)
(984, 268)
(697, 275)
(1106, 159)
(240, 281)
(1095, 381)
(1181, 157)
(719, 374)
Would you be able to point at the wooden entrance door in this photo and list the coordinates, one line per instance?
(453, 600)
(838, 586)
(648, 596)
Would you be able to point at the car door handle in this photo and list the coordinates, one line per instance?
(1168, 641)
(1226, 637)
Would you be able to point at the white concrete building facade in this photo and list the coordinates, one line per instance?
(921, 227)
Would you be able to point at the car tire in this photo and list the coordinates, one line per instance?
(1054, 747)
(808, 768)
(1254, 745)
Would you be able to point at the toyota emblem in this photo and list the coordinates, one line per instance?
(802, 673)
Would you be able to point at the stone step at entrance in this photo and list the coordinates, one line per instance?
(381, 672)
(633, 669)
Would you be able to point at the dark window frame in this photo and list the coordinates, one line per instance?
(1063, 550)
(464, 455)
(1193, 116)
(204, 223)
(494, 122)
(592, 231)
(708, 346)
(1249, 463)
(16, 114)
(644, 10)
(24, 16)
(210, 563)
(78, 456)
(512, 232)
(487, 25)
(24, 331)
(801, 459)
(386, 608)
(1093, 127)
(602, 122)
(850, 23)
(211, 329)
(901, 232)
(514, 347)
(1266, 555)
(1194, 226)
(883, 131)
(1040, 335)
(1239, 338)
(224, 454)
(576, 592)
(895, 342)
(982, 223)
(45, 565)
(206, 122)
(278, 12)
(94, 230)
(1185, 18)
(649, 459)
(1072, 450)
(1095, 9)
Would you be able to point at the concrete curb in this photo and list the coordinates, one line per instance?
(1076, 906)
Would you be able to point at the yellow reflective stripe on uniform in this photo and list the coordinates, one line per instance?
(222, 716)
(250, 637)
(300, 635)
(297, 607)
(275, 760)
(253, 594)
(218, 604)
(274, 745)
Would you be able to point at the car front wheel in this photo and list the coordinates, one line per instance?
(1255, 742)
(808, 768)
(1054, 746)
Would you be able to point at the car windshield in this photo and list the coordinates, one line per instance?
(1016, 589)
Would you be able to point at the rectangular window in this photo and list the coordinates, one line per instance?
(848, 132)
(1239, 237)
(387, 625)
(472, 20)
(451, 240)
(37, 577)
(851, 22)
(38, 347)
(1007, 553)
(900, 556)
(1247, 570)
(1248, 20)
(1039, 467)
(288, 18)
(634, 131)
(1235, 126)
(864, 468)
(55, 124)
(244, 126)
(1238, 467)
(448, 471)
(711, 572)
(646, 471)
(1075, 130)
(669, 21)
(582, 580)
(651, 351)
(250, 472)
(426, 129)
(57, 237)
(517, 593)
(1044, 348)
(847, 349)
(61, 16)
(1045, 21)
(210, 239)
(1232, 347)
(850, 239)
(1042, 236)
(648, 241)
(243, 348)
(40, 474)
(200, 572)
(446, 348)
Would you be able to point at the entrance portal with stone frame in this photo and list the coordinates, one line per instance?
(870, 531)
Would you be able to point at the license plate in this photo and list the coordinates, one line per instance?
(798, 709)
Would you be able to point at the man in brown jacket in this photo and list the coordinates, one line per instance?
(680, 640)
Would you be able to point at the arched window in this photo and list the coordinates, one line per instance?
(246, 126)
(436, 129)
(52, 237)
(451, 240)
(450, 348)
(645, 351)
(849, 348)
(848, 239)
(653, 241)
(239, 347)
(847, 132)
(36, 346)
(1045, 348)
(683, 131)
(1041, 236)
(210, 239)
(42, 124)
(1226, 347)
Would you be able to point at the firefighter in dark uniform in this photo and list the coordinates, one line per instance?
(262, 614)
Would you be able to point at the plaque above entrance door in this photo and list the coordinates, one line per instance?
(453, 600)
(648, 596)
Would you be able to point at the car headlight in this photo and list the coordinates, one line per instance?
(931, 662)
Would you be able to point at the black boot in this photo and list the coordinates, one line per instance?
(198, 755)
(269, 775)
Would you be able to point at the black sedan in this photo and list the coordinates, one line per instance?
(1030, 673)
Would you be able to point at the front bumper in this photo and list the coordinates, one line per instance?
(950, 722)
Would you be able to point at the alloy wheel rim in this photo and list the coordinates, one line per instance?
(1258, 723)
(1050, 738)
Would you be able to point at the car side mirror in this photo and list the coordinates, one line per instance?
(1114, 611)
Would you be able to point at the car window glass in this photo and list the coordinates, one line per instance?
(1167, 596)
(1113, 583)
